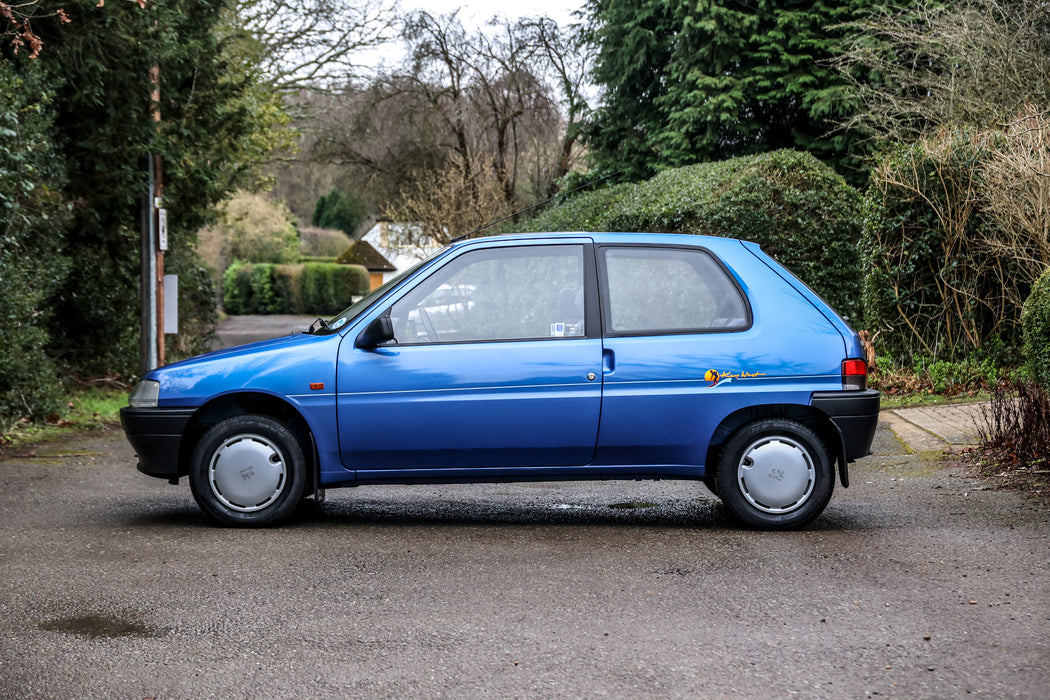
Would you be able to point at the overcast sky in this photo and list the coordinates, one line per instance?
(558, 10)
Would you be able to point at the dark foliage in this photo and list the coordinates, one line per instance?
(210, 138)
(33, 263)
(689, 82)
(941, 282)
(341, 211)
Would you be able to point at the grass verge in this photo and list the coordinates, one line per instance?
(87, 409)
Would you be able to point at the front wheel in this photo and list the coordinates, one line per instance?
(248, 470)
(775, 474)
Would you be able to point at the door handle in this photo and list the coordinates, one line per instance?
(608, 361)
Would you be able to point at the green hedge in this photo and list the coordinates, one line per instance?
(308, 288)
(1035, 320)
(798, 209)
(33, 258)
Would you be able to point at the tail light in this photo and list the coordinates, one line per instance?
(854, 375)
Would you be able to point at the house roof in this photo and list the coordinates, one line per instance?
(362, 253)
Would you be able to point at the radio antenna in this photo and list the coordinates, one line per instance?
(534, 206)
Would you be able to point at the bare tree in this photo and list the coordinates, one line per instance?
(1015, 192)
(315, 44)
(496, 108)
(569, 59)
(967, 63)
(442, 206)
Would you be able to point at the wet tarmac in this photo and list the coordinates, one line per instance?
(919, 580)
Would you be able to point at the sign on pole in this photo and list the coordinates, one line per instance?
(162, 227)
(171, 303)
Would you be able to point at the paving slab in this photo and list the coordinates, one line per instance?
(936, 427)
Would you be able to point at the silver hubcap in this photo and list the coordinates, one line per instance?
(247, 473)
(776, 474)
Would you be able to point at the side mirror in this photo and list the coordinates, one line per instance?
(376, 333)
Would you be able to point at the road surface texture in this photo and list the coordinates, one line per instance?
(918, 582)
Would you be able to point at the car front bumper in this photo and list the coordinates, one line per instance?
(156, 435)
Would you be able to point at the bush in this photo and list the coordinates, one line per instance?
(1014, 427)
(237, 288)
(287, 287)
(798, 209)
(965, 377)
(252, 228)
(1035, 321)
(926, 287)
(326, 288)
(341, 211)
(317, 243)
(33, 260)
(956, 237)
(310, 288)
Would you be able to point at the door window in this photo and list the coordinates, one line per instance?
(513, 293)
(670, 290)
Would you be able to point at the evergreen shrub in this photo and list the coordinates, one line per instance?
(1035, 320)
(33, 258)
(340, 211)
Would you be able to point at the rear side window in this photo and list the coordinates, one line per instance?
(669, 290)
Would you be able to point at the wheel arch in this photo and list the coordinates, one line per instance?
(243, 403)
(814, 419)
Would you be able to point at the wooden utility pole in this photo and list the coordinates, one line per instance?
(160, 225)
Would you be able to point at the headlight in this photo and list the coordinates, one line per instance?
(145, 394)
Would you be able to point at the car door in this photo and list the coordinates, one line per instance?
(495, 367)
(679, 344)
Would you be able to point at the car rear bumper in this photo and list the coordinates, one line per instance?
(156, 434)
(855, 414)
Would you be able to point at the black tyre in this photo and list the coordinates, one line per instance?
(775, 474)
(248, 471)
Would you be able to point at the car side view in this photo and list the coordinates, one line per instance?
(534, 357)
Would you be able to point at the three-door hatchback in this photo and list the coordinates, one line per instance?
(531, 357)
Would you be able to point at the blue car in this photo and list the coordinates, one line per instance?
(543, 357)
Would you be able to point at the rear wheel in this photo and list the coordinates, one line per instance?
(775, 474)
(248, 470)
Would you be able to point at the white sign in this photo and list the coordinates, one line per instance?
(162, 228)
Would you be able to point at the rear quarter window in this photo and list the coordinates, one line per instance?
(651, 290)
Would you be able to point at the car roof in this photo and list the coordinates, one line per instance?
(610, 237)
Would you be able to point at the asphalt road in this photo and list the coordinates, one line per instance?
(918, 581)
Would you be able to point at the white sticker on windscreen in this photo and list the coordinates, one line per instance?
(557, 330)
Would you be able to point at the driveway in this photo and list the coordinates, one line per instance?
(918, 581)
